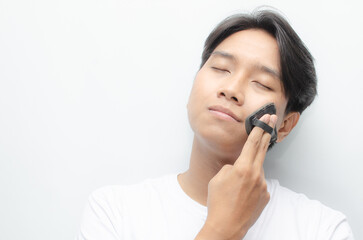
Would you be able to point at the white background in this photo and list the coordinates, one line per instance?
(94, 93)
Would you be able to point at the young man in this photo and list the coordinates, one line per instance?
(248, 61)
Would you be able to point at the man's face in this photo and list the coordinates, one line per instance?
(241, 75)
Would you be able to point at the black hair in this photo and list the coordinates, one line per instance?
(298, 74)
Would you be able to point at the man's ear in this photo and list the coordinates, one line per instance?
(289, 122)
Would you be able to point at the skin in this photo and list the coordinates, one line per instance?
(226, 165)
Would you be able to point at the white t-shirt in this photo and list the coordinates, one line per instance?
(159, 209)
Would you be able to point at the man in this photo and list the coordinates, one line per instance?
(248, 61)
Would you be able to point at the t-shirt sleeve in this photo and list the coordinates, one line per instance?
(335, 227)
(101, 218)
(342, 231)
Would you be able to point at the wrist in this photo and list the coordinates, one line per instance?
(212, 232)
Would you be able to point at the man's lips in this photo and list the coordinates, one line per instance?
(224, 111)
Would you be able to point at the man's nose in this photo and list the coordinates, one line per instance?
(233, 91)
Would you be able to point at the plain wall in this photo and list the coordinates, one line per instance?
(94, 93)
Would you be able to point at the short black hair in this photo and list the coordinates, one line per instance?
(298, 74)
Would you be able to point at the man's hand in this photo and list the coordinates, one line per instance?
(237, 194)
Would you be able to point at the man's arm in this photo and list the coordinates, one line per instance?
(238, 193)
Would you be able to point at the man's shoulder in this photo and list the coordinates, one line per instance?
(134, 192)
(297, 210)
(293, 198)
(285, 197)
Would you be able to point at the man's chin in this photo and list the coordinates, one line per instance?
(226, 148)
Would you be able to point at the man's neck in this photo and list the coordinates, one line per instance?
(204, 165)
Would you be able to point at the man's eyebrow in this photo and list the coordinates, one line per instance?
(224, 55)
(268, 70)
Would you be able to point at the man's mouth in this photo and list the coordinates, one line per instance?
(224, 113)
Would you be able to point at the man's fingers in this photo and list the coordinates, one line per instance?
(252, 144)
(265, 143)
